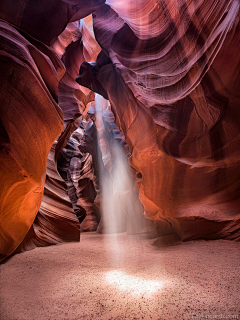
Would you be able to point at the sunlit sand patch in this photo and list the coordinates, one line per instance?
(132, 284)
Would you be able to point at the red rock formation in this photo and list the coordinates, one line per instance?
(74, 45)
(55, 221)
(173, 86)
(30, 118)
(45, 20)
(77, 165)
(30, 121)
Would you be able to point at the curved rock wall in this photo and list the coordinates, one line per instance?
(27, 132)
(172, 77)
(30, 117)
(56, 221)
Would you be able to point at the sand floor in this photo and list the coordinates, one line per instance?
(122, 277)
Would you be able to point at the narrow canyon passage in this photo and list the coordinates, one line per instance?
(119, 126)
(117, 276)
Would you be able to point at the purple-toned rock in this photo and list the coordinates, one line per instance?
(170, 72)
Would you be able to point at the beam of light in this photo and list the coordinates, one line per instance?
(121, 211)
(132, 284)
(117, 187)
(111, 209)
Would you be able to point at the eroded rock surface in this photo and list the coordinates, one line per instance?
(171, 74)
(56, 221)
(31, 119)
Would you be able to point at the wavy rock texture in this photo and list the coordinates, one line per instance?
(56, 221)
(78, 169)
(30, 117)
(27, 133)
(171, 74)
(75, 45)
(46, 20)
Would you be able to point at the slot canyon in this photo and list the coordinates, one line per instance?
(120, 159)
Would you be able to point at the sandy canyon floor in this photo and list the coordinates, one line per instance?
(122, 277)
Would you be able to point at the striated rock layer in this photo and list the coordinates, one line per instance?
(55, 221)
(30, 118)
(27, 132)
(171, 73)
